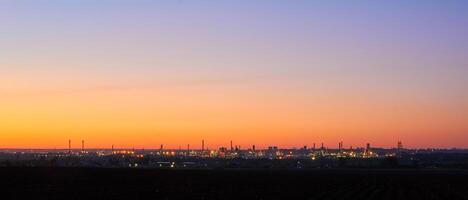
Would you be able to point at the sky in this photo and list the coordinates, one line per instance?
(142, 73)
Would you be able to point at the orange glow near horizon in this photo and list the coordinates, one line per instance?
(148, 117)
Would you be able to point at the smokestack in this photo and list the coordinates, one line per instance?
(69, 146)
(82, 146)
(368, 148)
(203, 145)
(314, 146)
(231, 146)
(253, 147)
(112, 149)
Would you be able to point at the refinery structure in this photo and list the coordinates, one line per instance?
(316, 156)
(233, 152)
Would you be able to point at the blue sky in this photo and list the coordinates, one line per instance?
(389, 53)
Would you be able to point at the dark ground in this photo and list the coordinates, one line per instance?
(98, 183)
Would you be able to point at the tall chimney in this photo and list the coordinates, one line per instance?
(203, 145)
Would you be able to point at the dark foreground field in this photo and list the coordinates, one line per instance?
(87, 183)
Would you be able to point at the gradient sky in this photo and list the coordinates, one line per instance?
(286, 73)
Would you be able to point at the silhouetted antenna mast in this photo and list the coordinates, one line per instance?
(368, 149)
(399, 148)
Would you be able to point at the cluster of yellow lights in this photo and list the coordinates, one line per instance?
(349, 154)
(125, 152)
(169, 153)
